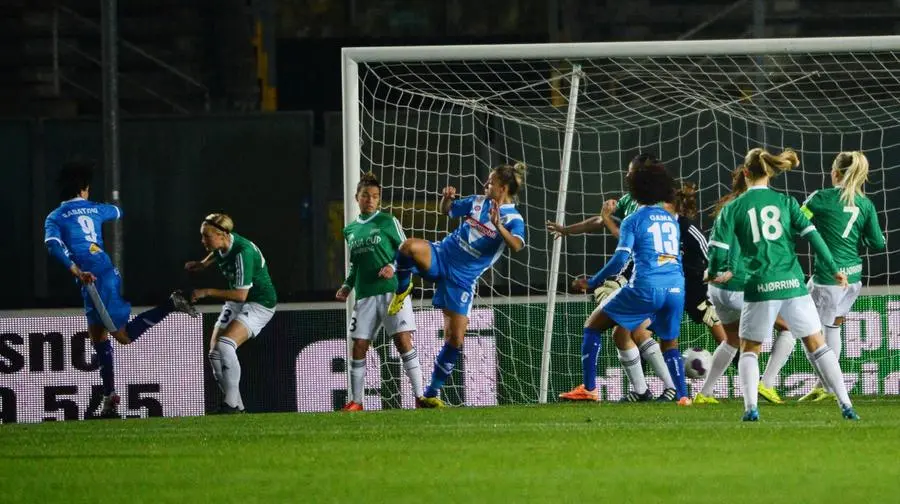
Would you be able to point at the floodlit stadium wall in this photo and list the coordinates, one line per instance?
(298, 362)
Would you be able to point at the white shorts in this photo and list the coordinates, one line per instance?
(370, 313)
(728, 303)
(832, 301)
(757, 318)
(254, 316)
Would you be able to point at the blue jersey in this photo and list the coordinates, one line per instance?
(77, 226)
(476, 244)
(652, 237)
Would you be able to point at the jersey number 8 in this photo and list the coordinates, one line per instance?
(769, 220)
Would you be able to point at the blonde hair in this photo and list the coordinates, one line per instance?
(512, 176)
(853, 168)
(222, 222)
(761, 163)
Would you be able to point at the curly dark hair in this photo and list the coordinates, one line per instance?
(686, 200)
(368, 180)
(74, 178)
(650, 184)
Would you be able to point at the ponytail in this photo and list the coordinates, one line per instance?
(738, 187)
(761, 163)
(853, 171)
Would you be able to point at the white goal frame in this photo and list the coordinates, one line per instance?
(351, 57)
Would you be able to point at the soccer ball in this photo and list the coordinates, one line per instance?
(697, 362)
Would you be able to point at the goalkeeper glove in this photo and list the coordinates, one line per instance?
(611, 285)
(710, 317)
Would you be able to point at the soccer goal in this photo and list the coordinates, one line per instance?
(422, 118)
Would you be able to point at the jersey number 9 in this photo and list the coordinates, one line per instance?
(87, 226)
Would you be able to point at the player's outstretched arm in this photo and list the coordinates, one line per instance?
(588, 225)
(195, 266)
(448, 194)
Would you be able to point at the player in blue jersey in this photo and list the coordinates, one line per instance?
(73, 235)
(653, 298)
(490, 224)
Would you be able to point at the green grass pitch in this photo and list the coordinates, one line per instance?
(597, 453)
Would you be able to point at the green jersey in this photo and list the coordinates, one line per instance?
(765, 224)
(373, 241)
(625, 206)
(244, 266)
(735, 264)
(846, 229)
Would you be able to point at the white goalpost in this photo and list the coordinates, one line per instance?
(422, 117)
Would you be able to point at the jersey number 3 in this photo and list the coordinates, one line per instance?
(665, 238)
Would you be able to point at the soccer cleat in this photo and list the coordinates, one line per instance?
(110, 407)
(685, 401)
(182, 304)
(429, 403)
(225, 409)
(704, 399)
(848, 412)
(667, 395)
(633, 396)
(814, 395)
(352, 406)
(397, 301)
(751, 415)
(580, 393)
(770, 394)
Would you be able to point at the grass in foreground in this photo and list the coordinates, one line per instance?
(555, 453)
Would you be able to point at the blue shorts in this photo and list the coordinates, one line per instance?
(447, 294)
(109, 287)
(630, 306)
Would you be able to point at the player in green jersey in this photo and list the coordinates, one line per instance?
(728, 299)
(249, 300)
(848, 222)
(373, 239)
(764, 224)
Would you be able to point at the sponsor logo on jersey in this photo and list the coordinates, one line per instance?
(478, 227)
(778, 285)
(665, 259)
(851, 270)
(94, 249)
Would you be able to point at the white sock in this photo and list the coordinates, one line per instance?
(748, 369)
(722, 357)
(413, 371)
(815, 366)
(833, 339)
(357, 380)
(631, 361)
(784, 345)
(215, 362)
(231, 372)
(650, 352)
(830, 368)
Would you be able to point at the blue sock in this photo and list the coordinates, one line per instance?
(105, 360)
(405, 267)
(676, 368)
(146, 320)
(443, 366)
(590, 349)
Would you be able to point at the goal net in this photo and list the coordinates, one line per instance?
(425, 118)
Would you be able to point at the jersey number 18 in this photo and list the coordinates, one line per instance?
(769, 221)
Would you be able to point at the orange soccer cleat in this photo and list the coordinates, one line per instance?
(352, 406)
(580, 393)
